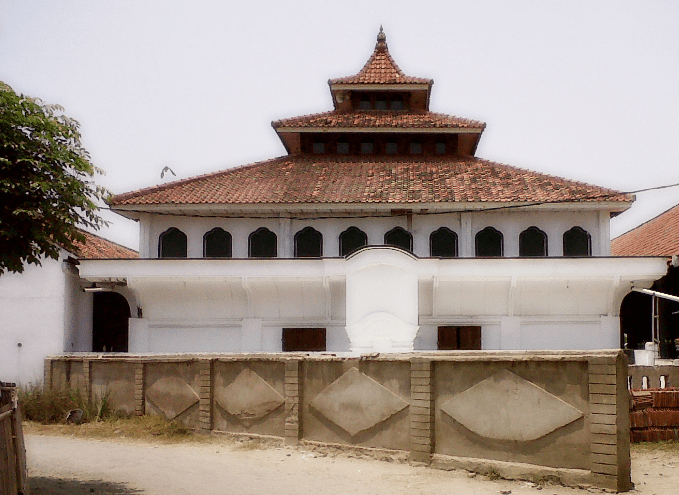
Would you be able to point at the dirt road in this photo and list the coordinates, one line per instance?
(61, 465)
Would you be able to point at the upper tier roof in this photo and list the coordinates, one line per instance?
(380, 69)
(657, 237)
(342, 179)
(370, 119)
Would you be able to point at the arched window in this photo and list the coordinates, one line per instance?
(577, 242)
(443, 243)
(308, 243)
(532, 242)
(352, 239)
(172, 244)
(489, 243)
(217, 244)
(399, 237)
(262, 243)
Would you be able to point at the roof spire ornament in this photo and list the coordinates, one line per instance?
(381, 40)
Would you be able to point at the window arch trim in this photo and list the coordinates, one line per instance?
(309, 231)
(443, 231)
(266, 236)
(532, 234)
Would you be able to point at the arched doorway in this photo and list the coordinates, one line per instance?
(110, 325)
(635, 321)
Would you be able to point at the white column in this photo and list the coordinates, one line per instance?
(466, 241)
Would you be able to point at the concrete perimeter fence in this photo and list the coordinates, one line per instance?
(518, 414)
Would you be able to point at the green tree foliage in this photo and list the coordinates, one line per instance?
(47, 189)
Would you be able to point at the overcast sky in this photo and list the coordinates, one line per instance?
(584, 90)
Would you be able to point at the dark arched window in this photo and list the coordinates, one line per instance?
(399, 237)
(532, 242)
(352, 239)
(217, 244)
(577, 242)
(172, 244)
(489, 243)
(443, 243)
(262, 243)
(308, 243)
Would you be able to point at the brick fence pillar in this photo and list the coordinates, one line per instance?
(609, 422)
(292, 400)
(205, 395)
(48, 374)
(421, 410)
(87, 378)
(139, 392)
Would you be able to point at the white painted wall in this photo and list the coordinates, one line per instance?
(510, 222)
(33, 319)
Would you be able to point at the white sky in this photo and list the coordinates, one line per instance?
(586, 90)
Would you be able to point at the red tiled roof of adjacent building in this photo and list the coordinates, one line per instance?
(333, 179)
(379, 119)
(381, 69)
(96, 247)
(657, 237)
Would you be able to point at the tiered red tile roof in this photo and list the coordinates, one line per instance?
(333, 179)
(381, 69)
(657, 237)
(96, 247)
(379, 119)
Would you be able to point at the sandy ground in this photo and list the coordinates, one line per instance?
(61, 465)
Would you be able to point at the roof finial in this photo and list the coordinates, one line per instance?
(381, 37)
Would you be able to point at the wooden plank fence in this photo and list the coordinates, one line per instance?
(13, 473)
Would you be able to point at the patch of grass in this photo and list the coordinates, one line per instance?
(493, 475)
(51, 406)
(136, 427)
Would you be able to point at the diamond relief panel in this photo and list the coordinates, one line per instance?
(355, 402)
(172, 395)
(508, 407)
(249, 396)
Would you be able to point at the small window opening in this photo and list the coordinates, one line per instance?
(399, 237)
(644, 382)
(352, 239)
(443, 243)
(319, 148)
(380, 104)
(396, 104)
(304, 340)
(459, 338)
(391, 148)
(367, 148)
(415, 148)
(489, 243)
(440, 148)
(365, 104)
(172, 244)
(217, 244)
(577, 242)
(263, 244)
(308, 243)
(629, 383)
(663, 381)
(532, 243)
(342, 148)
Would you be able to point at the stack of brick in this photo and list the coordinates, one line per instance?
(655, 415)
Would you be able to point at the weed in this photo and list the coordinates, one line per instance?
(493, 475)
(51, 406)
